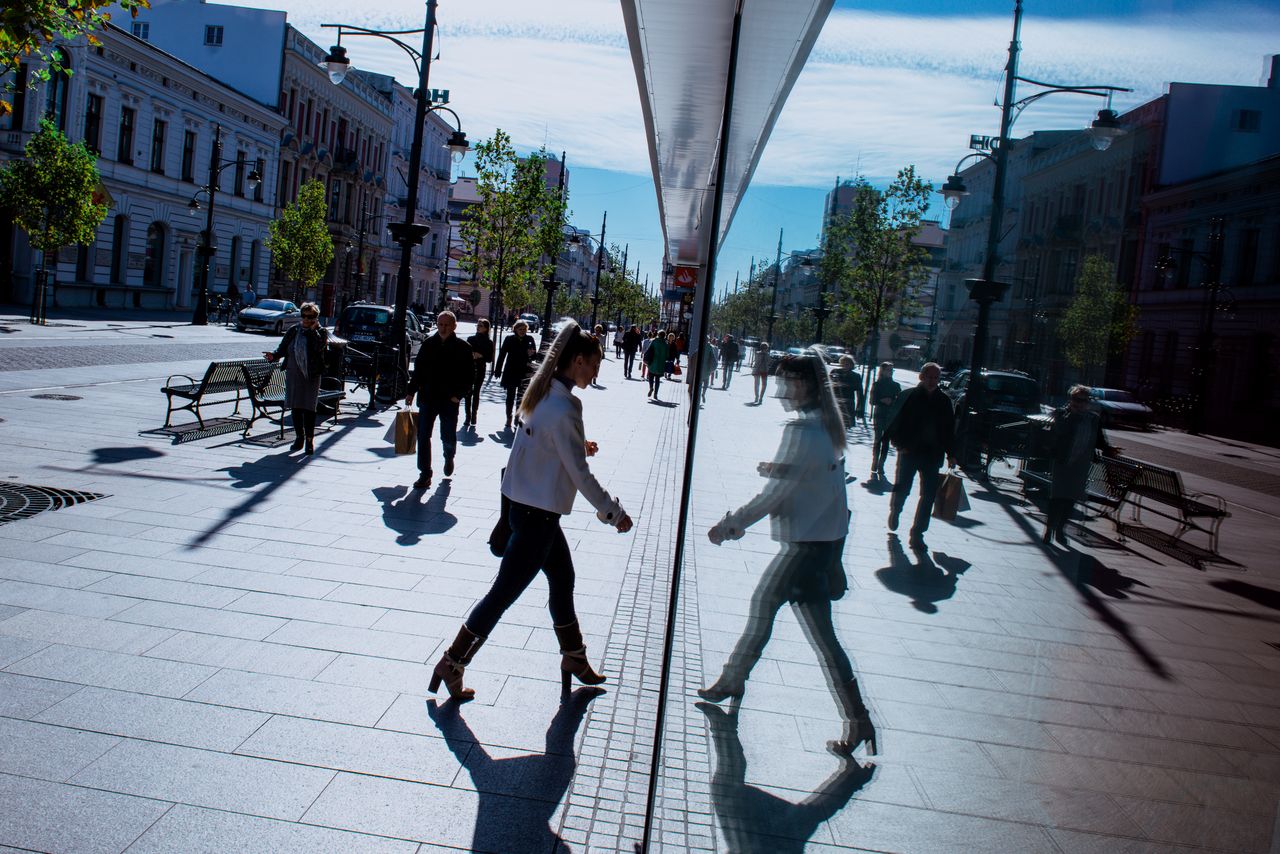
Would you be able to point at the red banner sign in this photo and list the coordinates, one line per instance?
(686, 277)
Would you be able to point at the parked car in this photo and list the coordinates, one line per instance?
(1010, 395)
(268, 315)
(366, 324)
(532, 320)
(832, 353)
(1119, 407)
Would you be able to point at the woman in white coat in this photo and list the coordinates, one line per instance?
(547, 469)
(808, 509)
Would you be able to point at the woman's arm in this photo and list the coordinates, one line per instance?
(570, 442)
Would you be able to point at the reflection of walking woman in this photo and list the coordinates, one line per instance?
(760, 370)
(1076, 434)
(482, 354)
(547, 468)
(302, 349)
(513, 364)
(805, 499)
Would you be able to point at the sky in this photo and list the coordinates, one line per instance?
(889, 83)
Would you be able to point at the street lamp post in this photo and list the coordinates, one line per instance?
(986, 291)
(206, 250)
(595, 297)
(409, 233)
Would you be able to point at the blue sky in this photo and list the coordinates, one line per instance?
(890, 82)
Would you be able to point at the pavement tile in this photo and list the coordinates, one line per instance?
(240, 654)
(194, 830)
(15, 649)
(39, 552)
(83, 631)
(62, 600)
(206, 778)
(240, 580)
(1076, 842)
(1064, 770)
(44, 816)
(133, 565)
(298, 697)
(26, 696)
(58, 575)
(361, 750)
(375, 642)
(886, 827)
(1234, 831)
(300, 608)
(113, 670)
(166, 590)
(48, 752)
(1153, 751)
(155, 718)
(362, 575)
(208, 620)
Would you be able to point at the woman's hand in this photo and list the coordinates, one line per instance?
(270, 357)
(624, 524)
(590, 448)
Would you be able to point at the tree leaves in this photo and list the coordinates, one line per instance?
(1099, 321)
(51, 191)
(300, 243)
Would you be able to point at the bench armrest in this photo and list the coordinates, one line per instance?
(1212, 499)
(189, 380)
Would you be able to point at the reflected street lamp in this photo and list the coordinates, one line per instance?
(200, 316)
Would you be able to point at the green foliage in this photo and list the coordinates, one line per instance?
(51, 191)
(1099, 321)
(621, 294)
(300, 243)
(570, 303)
(515, 232)
(870, 265)
(746, 311)
(28, 29)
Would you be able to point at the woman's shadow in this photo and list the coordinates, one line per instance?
(518, 795)
(404, 511)
(928, 581)
(754, 820)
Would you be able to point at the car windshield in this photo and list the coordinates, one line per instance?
(271, 304)
(1117, 395)
(368, 316)
(1017, 391)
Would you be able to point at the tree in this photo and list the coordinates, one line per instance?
(514, 234)
(1099, 321)
(871, 265)
(300, 243)
(29, 27)
(53, 194)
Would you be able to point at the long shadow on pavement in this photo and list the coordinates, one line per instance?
(925, 582)
(520, 794)
(404, 511)
(754, 820)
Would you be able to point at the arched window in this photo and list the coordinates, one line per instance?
(233, 276)
(153, 269)
(255, 252)
(56, 107)
(119, 249)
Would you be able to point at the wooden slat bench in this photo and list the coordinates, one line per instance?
(265, 384)
(220, 379)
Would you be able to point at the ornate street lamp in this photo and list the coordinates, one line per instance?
(409, 233)
(200, 316)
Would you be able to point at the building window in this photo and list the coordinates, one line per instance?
(142, 30)
(153, 268)
(119, 248)
(335, 199)
(56, 106)
(1247, 271)
(1246, 121)
(238, 189)
(124, 147)
(189, 156)
(14, 120)
(283, 195)
(93, 124)
(258, 192)
(255, 251)
(213, 36)
(157, 146)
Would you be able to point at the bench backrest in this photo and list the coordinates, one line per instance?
(226, 375)
(1113, 477)
(262, 378)
(1156, 481)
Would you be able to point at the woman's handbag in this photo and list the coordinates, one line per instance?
(675, 369)
(951, 498)
(501, 533)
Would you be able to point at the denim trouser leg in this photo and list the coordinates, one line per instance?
(428, 412)
(536, 543)
(909, 465)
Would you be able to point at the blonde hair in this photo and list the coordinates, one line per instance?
(309, 306)
(810, 368)
(570, 343)
(515, 327)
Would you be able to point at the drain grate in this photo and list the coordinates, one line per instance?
(22, 501)
(54, 397)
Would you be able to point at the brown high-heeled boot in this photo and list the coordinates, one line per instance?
(454, 662)
(857, 722)
(573, 660)
(729, 686)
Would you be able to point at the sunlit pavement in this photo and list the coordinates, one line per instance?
(229, 650)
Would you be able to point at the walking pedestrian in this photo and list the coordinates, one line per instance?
(847, 383)
(805, 499)
(923, 431)
(482, 356)
(630, 344)
(675, 346)
(1075, 435)
(730, 356)
(302, 349)
(546, 470)
(760, 371)
(656, 359)
(707, 361)
(884, 393)
(514, 361)
(617, 342)
(442, 375)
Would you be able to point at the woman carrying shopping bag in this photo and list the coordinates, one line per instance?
(546, 470)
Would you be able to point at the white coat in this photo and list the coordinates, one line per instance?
(548, 463)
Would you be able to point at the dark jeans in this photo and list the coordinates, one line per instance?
(655, 379)
(429, 410)
(879, 445)
(729, 369)
(472, 400)
(513, 400)
(630, 362)
(909, 465)
(536, 543)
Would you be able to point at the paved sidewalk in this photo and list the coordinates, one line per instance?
(229, 651)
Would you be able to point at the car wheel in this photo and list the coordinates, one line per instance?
(279, 326)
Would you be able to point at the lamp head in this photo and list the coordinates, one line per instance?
(254, 179)
(953, 191)
(1105, 128)
(337, 64)
(193, 206)
(458, 145)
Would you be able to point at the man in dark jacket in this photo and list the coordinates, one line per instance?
(923, 431)
(884, 393)
(442, 375)
(730, 355)
(630, 344)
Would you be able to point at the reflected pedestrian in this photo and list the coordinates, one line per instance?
(1074, 437)
(514, 362)
(482, 356)
(546, 470)
(656, 359)
(804, 497)
(760, 371)
(923, 432)
(847, 383)
(884, 394)
(302, 349)
(630, 344)
(730, 357)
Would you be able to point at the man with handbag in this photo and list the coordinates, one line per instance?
(442, 375)
(923, 432)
